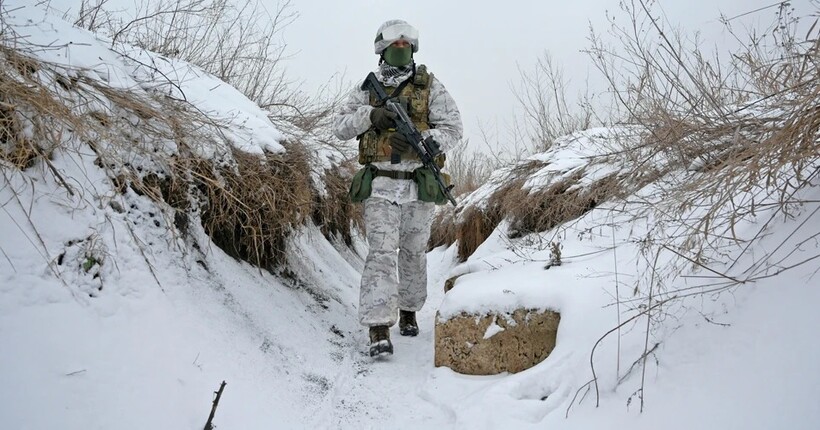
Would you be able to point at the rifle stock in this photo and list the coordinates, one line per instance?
(427, 149)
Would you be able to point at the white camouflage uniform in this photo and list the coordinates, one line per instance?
(394, 217)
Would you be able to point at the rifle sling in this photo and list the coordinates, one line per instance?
(397, 90)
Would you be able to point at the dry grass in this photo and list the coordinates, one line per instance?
(238, 42)
(252, 209)
(17, 150)
(469, 169)
(742, 141)
(474, 228)
(747, 131)
(33, 119)
(442, 232)
(562, 201)
(526, 210)
(332, 211)
(150, 144)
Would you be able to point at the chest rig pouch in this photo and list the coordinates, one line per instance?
(374, 146)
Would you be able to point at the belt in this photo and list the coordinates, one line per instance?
(396, 174)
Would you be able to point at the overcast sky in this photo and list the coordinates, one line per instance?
(476, 47)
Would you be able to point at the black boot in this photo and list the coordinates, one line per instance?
(380, 341)
(407, 323)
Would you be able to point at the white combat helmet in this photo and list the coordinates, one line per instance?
(394, 30)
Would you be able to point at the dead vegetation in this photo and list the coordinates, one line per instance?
(526, 208)
(533, 212)
(739, 132)
(745, 129)
(167, 150)
(470, 168)
(740, 141)
(252, 211)
(240, 43)
(475, 227)
(333, 211)
(441, 231)
(725, 149)
(32, 118)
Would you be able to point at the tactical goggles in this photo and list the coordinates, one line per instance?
(400, 31)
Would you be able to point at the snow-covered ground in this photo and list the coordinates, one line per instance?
(141, 337)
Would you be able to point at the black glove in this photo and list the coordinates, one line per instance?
(435, 148)
(382, 118)
(400, 144)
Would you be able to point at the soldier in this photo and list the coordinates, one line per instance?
(395, 219)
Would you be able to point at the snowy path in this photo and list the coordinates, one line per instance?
(393, 390)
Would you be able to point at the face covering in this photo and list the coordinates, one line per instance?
(398, 57)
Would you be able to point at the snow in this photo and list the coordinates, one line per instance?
(141, 338)
(77, 51)
(493, 329)
(249, 128)
(505, 290)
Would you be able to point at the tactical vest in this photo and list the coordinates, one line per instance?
(374, 145)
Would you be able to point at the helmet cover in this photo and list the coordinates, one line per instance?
(393, 30)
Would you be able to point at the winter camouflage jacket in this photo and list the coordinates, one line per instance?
(444, 119)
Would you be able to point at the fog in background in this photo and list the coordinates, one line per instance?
(477, 48)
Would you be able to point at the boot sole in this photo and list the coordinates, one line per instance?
(381, 349)
(409, 332)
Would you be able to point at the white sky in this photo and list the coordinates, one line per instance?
(476, 47)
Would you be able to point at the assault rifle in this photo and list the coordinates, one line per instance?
(427, 149)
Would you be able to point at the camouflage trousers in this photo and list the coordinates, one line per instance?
(395, 272)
